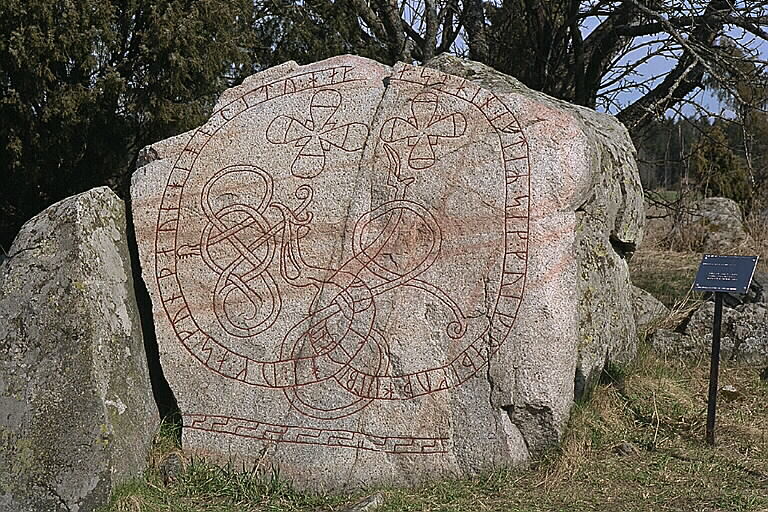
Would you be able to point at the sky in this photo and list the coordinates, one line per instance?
(660, 64)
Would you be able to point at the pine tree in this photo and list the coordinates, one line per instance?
(717, 169)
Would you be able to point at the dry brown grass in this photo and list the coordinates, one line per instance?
(757, 227)
(667, 275)
(656, 407)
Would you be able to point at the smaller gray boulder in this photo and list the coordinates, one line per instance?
(648, 310)
(720, 222)
(748, 328)
(743, 336)
(674, 343)
(699, 330)
(76, 409)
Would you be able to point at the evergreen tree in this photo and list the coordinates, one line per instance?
(84, 84)
(311, 30)
(717, 169)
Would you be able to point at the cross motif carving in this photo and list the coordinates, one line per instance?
(317, 134)
(424, 129)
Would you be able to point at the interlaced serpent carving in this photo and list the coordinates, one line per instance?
(334, 361)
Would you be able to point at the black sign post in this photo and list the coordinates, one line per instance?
(720, 274)
(714, 369)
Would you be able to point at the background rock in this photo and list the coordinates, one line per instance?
(76, 409)
(743, 335)
(648, 310)
(667, 341)
(291, 330)
(720, 223)
(745, 328)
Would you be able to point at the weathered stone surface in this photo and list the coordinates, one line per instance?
(743, 335)
(364, 274)
(648, 310)
(720, 223)
(593, 174)
(76, 409)
(675, 343)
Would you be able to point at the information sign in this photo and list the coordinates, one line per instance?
(725, 273)
(721, 274)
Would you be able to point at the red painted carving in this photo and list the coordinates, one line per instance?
(252, 429)
(334, 361)
(424, 129)
(317, 134)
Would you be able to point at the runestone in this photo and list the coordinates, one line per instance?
(337, 261)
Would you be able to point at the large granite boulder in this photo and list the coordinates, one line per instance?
(76, 409)
(363, 274)
(587, 199)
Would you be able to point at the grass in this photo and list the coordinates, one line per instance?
(667, 275)
(757, 226)
(655, 409)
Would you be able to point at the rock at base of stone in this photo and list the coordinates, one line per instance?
(649, 311)
(744, 332)
(743, 335)
(368, 504)
(730, 393)
(674, 343)
(370, 275)
(76, 409)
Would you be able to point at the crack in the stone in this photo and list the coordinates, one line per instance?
(62, 501)
(623, 249)
(363, 154)
(25, 249)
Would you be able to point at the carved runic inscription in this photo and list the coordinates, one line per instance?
(252, 298)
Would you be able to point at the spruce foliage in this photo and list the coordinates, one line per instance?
(717, 169)
(84, 84)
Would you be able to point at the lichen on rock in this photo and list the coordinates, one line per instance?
(76, 409)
